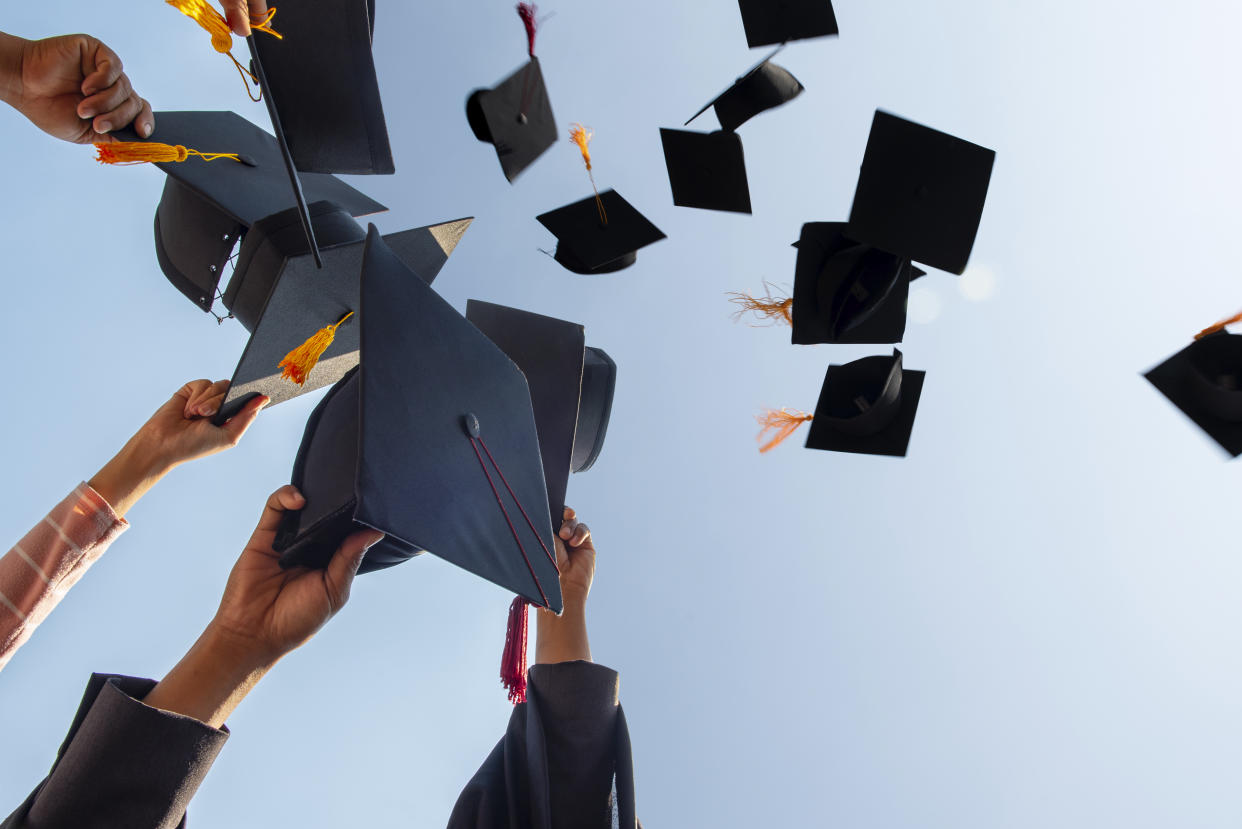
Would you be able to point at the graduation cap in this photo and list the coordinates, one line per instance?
(571, 388)
(588, 245)
(302, 319)
(320, 86)
(848, 292)
(1204, 380)
(765, 86)
(207, 206)
(920, 193)
(706, 170)
(448, 461)
(515, 116)
(865, 407)
(769, 22)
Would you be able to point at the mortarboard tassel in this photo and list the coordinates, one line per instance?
(221, 35)
(527, 11)
(513, 662)
(768, 307)
(785, 422)
(582, 136)
(299, 362)
(1220, 326)
(143, 152)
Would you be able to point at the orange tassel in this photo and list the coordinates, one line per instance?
(582, 136)
(785, 423)
(299, 362)
(221, 35)
(768, 307)
(143, 152)
(1220, 326)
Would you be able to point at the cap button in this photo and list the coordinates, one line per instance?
(521, 119)
(471, 424)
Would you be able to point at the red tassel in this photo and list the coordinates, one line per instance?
(526, 11)
(513, 663)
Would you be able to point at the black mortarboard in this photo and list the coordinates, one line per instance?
(571, 398)
(207, 206)
(431, 441)
(1204, 380)
(847, 292)
(765, 86)
(320, 86)
(706, 170)
(769, 22)
(282, 299)
(516, 117)
(920, 193)
(867, 407)
(588, 246)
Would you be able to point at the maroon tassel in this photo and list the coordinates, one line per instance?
(526, 11)
(513, 663)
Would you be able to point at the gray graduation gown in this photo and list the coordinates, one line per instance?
(564, 762)
(124, 765)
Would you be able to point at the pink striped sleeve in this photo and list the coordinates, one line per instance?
(39, 571)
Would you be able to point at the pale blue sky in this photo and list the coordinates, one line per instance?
(1031, 621)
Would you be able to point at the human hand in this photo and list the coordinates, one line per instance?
(575, 556)
(268, 611)
(182, 429)
(239, 13)
(74, 87)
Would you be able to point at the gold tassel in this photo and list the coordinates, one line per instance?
(784, 423)
(221, 35)
(768, 308)
(142, 152)
(299, 362)
(582, 136)
(1220, 326)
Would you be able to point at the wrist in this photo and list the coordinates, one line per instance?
(210, 681)
(12, 53)
(127, 477)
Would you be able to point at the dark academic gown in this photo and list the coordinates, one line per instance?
(124, 765)
(564, 763)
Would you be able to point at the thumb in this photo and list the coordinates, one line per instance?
(344, 565)
(240, 422)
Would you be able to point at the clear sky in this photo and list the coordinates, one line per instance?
(1031, 621)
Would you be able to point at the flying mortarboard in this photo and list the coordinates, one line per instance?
(286, 302)
(1204, 380)
(516, 116)
(866, 407)
(432, 440)
(706, 170)
(207, 206)
(320, 85)
(571, 388)
(765, 86)
(586, 245)
(847, 292)
(769, 22)
(920, 193)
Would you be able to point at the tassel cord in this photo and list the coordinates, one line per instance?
(222, 36)
(784, 422)
(1220, 326)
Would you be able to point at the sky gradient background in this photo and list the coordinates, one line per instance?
(1031, 621)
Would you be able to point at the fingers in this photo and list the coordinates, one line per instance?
(101, 68)
(339, 576)
(240, 422)
(109, 98)
(239, 13)
(569, 514)
(284, 499)
(204, 397)
(573, 532)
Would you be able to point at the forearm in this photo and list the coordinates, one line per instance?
(562, 638)
(11, 50)
(129, 475)
(210, 680)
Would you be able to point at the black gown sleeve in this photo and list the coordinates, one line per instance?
(123, 764)
(564, 761)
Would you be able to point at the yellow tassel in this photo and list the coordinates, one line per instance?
(768, 307)
(221, 35)
(1220, 326)
(299, 362)
(142, 152)
(582, 136)
(784, 423)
